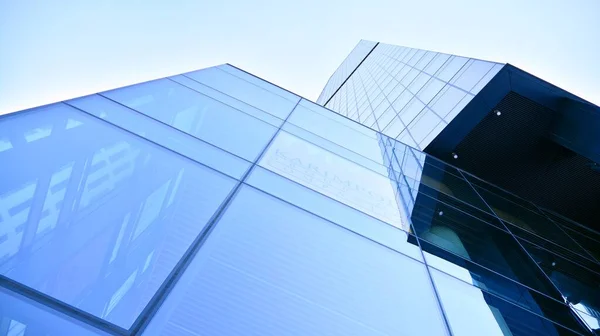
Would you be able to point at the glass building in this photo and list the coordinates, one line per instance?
(425, 194)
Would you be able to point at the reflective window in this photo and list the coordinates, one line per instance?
(164, 135)
(333, 176)
(286, 272)
(334, 211)
(245, 91)
(446, 100)
(198, 115)
(259, 82)
(473, 74)
(451, 67)
(20, 316)
(436, 63)
(471, 311)
(423, 124)
(411, 111)
(101, 225)
(430, 90)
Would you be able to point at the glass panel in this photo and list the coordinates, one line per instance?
(337, 129)
(430, 90)
(162, 134)
(471, 311)
(496, 284)
(523, 216)
(474, 240)
(259, 82)
(20, 316)
(244, 91)
(473, 74)
(227, 100)
(198, 115)
(286, 272)
(451, 67)
(333, 176)
(487, 78)
(436, 63)
(101, 225)
(411, 111)
(577, 284)
(459, 107)
(418, 83)
(423, 124)
(385, 118)
(335, 211)
(589, 240)
(446, 100)
(441, 177)
(425, 60)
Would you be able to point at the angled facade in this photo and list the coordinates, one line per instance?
(425, 194)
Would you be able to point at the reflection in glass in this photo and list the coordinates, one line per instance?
(98, 226)
(198, 115)
(20, 316)
(471, 311)
(333, 176)
(287, 272)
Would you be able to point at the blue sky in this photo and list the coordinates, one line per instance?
(60, 49)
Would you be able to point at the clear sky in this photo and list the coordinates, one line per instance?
(60, 49)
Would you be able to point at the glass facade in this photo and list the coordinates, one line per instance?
(216, 203)
(408, 94)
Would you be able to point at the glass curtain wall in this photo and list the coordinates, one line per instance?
(408, 94)
(215, 203)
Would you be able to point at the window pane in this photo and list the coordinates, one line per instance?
(259, 82)
(101, 225)
(164, 135)
(199, 115)
(473, 74)
(451, 67)
(244, 91)
(334, 176)
(287, 272)
(471, 311)
(334, 211)
(20, 316)
(446, 100)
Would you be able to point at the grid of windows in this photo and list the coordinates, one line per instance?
(410, 94)
(215, 203)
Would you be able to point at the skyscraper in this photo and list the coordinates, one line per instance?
(427, 194)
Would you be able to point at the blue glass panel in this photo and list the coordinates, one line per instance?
(472, 74)
(245, 91)
(227, 100)
(98, 226)
(471, 311)
(20, 316)
(459, 107)
(336, 129)
(485, 79)
(446, 100)
(423, 62)
(199, 115)
(334, 176)
(451, 67)
(163, 134)
(411, 111)
(259, 82)
(334, 211)
(430, 90)
(418, 83)
(287, 272)
(436, 63)
(423, 124)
